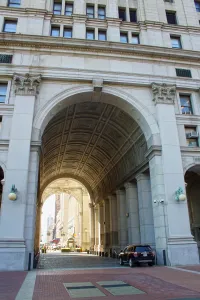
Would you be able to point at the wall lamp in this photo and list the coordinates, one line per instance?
(179, 195)
(13, 193)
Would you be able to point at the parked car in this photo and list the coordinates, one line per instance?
(136, 254)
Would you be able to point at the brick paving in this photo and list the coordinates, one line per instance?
(10, 283)
(191, 268)
(156, 282)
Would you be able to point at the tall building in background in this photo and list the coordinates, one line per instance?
(105, 93)
(57, 210)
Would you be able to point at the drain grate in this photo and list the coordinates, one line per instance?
(119, 288)
(82, 290)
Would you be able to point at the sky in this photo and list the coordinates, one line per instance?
(47, 210)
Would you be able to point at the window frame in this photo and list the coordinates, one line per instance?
(135, 11)
(53, 27)
(71, 5)
(90, 30)
(191, 128)
(197, 3)
(88, 14)
(65, 29)
(178, 38)
(191, 104)
(60, 3)
(11, 21)
(102, 31)
(175, 16)
(125, 16)
(135, 35)
(8, 87)
(104, 8)
(13, 3)
(123, 33)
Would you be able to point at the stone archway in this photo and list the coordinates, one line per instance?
(192, 179)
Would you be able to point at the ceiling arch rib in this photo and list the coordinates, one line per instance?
(94, 141)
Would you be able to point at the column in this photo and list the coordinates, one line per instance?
(113, 32)
(113, 223)
(122, 219)
(79, 22)
(132, 213)
(112, 9)
(106, 227)
(92, 227)
(81, 221)
(181, 248)
(101, 228)
(79, 7)
(145, 209)
(12, 239)
(96, 217)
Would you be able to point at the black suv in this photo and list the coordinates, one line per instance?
(136, 254)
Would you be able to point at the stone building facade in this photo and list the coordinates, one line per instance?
(105, 92)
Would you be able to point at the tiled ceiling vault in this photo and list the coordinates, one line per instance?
(95, 142)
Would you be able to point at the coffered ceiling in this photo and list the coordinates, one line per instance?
(93, 142)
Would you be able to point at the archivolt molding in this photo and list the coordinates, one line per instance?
(139, 112)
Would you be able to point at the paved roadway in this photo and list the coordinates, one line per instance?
(58, 260)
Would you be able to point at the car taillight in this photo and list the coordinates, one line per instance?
(135, 254)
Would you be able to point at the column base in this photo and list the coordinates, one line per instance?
(12, 255)
(182, 251)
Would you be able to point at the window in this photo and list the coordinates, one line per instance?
(67, 33)
(176, 42)
(186, 105)
(123, 37)
(102, 35)
(122, 14)
(191, 136)
(55, 31)
(101, 12)
(135, 39)
(3, 91)
(5, 59)
(57, 7)
(90, 11)
(143, 249)
(171, 17)
(14, 3)
(69, 9)
(197, 5)
(133, 15)
(183, 73)
(90, 34)
(10, 26)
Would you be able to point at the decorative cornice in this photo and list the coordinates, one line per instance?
(27, 85)
(163, 93)
(153, 151)
(129, 185)
(52, 43)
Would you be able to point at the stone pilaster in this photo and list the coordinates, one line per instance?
(122, 219)
(14, 254)
(132, 213)
(114, 241)
(180, 246)
(145, 209)
(92, 226)
(106, 226)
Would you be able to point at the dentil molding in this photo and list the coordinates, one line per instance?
(163, 93)
(27, 85)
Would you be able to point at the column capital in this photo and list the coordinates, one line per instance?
(120, 192)
(27, 85)
(91, 205)
(163, 93)
(129, 185)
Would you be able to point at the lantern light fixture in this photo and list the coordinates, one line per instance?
(13, 193)
(179, 195)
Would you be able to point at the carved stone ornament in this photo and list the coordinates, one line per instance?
(97, 85)
(27, 84)
(163, 93)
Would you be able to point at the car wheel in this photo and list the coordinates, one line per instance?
(150, 264)
(130, 262)
(121, 261)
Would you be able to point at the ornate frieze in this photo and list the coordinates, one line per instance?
(163, 93)
(27, 84)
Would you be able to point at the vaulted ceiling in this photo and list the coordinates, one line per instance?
(94, 142)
